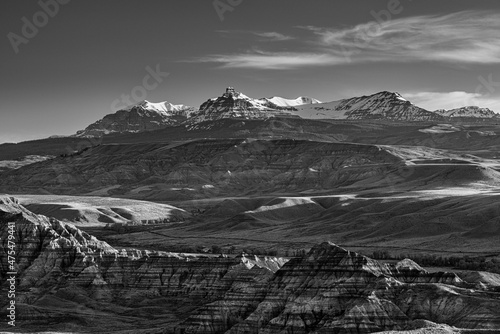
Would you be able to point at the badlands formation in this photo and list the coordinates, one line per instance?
(69, 281)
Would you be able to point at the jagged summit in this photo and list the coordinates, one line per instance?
(230, 92)
(234, 104)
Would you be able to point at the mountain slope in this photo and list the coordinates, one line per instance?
(383, 105)
(228, 166)
(144, 116)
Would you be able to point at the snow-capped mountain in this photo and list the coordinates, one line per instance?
(144, 116)
(165, 107)
(234, 104)
(282, 102)
(470, 111)
(383, 105)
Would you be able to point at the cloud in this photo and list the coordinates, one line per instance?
(273, 36)
(451, 100)
(271, 60)
(463, 37)
(268, 36)
(468, 37)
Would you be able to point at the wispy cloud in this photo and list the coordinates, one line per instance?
(273, 36)
(271, 60)
(450, 100)
(464, 37)
(267, 36)
(459, 38)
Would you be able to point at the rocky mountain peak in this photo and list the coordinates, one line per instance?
(386, 93)
(234, 104)
(230, 92)
(393, 97)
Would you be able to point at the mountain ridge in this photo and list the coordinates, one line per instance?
(381, 105)
(143, 116)
(468, 111)
(384, 105)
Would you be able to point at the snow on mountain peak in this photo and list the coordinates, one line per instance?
(388, 95)
(469, 111)
(399, 97)
(143, 116)
(234, 104)
(147, 115)
(164, 107)
(282, 102)
(382, 105)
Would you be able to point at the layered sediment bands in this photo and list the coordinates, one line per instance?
(330, 289)
(206, 168)
(334, 290)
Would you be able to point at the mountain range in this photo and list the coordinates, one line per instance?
(470, 111)
(147, 116)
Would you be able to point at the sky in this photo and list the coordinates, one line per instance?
(66, 63)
